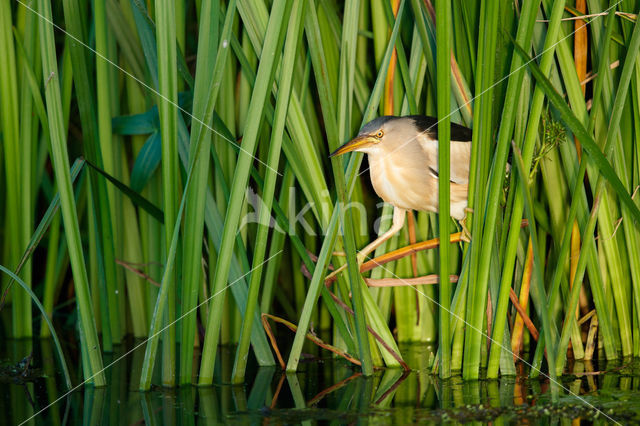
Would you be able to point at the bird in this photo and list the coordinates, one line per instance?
(403, 167)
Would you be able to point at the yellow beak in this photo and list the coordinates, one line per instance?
(353, 145)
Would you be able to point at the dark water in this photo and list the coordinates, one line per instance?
(325, 391)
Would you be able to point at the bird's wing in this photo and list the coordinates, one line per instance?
(460, 154)
(460, 147)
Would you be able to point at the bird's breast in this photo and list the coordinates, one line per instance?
(412, 186)
(403, 186)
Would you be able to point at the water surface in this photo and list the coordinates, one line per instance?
(324, 391)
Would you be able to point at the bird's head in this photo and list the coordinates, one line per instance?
(383, 134)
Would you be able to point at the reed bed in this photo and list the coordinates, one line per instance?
(203, 205)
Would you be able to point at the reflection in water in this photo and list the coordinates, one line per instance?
(326, 391)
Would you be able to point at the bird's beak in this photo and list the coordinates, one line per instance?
(353, 145)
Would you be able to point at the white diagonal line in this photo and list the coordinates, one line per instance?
(493, 341)
(142, 83)
(499, 81)
(75, 388)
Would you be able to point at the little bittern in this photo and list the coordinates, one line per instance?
(403, 166)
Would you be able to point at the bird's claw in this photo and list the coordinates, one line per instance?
(465, 235)
(360, 258)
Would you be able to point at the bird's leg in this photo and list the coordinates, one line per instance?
(398, 222)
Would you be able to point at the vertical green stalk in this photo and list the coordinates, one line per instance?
(613, 132)
(480, 276)
(264, 79)
(105, 136)
(28, 144)
(168, 112)
(480, 150)
(537, 289)
(331, 229)
(67, 202)
(634, 180)
(277, 244)
(518, 203)
(127, 236)
(83, 82)
(595, 154)
(50, 269)
(443, 64)
(132, 252)
(144, 243)
(577, 282)
(282, 103)
(180, 18)
(328, 112)
(31, 70)
(162, 300)
(11, 137)
(624, 269)
(345, 83)
(359, 292)
(579, 202)
(209, 74)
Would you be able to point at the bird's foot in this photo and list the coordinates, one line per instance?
(332, 276)
(465, 234)
(360, 258)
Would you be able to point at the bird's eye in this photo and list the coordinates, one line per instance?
(379, 134)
